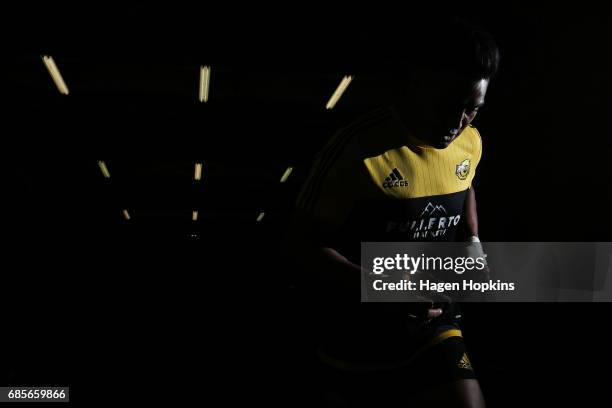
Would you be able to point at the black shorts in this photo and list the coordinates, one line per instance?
(440, 360)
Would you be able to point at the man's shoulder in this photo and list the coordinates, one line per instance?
(470, 140)
(366, 123)
(375, 127)
(473, 131)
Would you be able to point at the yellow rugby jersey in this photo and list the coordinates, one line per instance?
(374, 181)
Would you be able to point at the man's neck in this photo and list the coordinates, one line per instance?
(409, 125)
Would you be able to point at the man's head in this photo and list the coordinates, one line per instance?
(452, 68)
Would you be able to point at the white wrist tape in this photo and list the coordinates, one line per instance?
(474, 249)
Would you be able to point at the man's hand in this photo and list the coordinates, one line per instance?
(433, 313)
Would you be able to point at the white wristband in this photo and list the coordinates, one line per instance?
(475, 249)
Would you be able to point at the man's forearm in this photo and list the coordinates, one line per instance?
(329, 272)
(334, 262)
(471, 214)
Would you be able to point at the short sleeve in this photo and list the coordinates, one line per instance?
(328, 194)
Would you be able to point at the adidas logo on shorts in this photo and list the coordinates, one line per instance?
(465, 362)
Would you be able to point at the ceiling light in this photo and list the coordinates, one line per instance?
(286, 174)
(204, 83)
(198, 172)
(103, 168)
(55, 74)
(339, 91)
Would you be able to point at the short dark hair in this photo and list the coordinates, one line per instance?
(457, 46)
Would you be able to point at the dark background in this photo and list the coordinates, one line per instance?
(104, 304)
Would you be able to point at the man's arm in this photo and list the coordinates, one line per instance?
(318, 263)
(471, 227)
(335, 276)
(471, 215)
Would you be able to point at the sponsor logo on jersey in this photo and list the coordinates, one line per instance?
(433, 222)
(395, 179)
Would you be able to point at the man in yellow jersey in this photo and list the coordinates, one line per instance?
(402, 173)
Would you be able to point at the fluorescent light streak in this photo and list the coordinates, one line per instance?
(204, 83)
(286, 174)
(339, 91)
(260, 216)
(103, 169)
(126, 214)
(198, 172)
(194, 215)
(55, 74)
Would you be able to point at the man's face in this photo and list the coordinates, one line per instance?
(444, 106)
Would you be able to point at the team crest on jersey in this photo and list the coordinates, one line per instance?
(463, 169)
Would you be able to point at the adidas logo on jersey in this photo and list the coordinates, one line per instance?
(395, 179)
